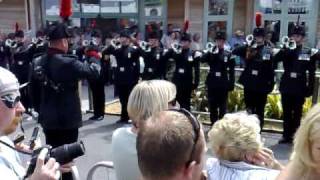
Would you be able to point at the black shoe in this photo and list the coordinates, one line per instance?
(122, 121)
(286, 141)
(96, 118)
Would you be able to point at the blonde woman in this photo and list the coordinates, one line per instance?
(305, 160)
(146, 99)
(239, 153)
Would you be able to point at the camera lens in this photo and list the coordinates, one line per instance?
(66, 153)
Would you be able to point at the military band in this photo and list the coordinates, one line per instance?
(138, 60)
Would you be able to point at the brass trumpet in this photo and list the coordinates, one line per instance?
(115, 43)
(11, 43)
(37, 42)
(212, 48)
(286, 42)
(145, 46)
(250, 41)
(177, 48)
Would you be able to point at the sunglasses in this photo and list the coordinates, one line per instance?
(196, 129)
(11, 101)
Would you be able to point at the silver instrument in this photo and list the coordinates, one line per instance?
(250, 41)
(92, 42)
(286, 42)
(177, 48)
(115, 43)
(11, 43)
(38, 42)
(212, 48)
(145, 46)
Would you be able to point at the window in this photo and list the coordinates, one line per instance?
(272, 28)
(153, 8)
(218, 7)
(270, 6)
(215, 26)
(299, 6)
(129, 7)
(110, 7)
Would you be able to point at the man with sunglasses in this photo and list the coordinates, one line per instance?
(11, 111)
(171, 146)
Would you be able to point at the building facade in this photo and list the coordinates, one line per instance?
(27, 13)
(205, 16)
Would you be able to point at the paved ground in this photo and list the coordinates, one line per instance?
(97, 139)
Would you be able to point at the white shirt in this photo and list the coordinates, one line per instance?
(226, 170)
(124, 153)
(10, 163)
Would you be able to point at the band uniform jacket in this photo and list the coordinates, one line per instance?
(221, 73)
(60, 103)
(153, 62)
(127, 71)
(187, 67)
(258, 74)
(299, 70)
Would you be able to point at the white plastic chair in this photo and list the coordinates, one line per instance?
(106, 164)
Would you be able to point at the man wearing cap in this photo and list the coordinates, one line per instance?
(297, 81)
(92, 54)
(220, 79)
(11, 111)
(187, 69)
(258, 75)
(127, 71)
(59, 72)
(153, 58)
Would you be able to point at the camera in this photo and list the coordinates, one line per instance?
(63, 154)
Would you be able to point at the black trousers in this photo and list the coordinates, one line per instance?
(124, 92)
(184, 96)
(217, 103)
(56, 138)
(255, 104)
(292, 112)
(98, 97)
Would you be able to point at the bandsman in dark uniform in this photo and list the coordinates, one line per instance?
(297, 82)
(153, 58)
(59, 72)
(3, 56)
(127, 71)
(92, 51)
(187, 69)
(258, 75)
(220, 79)
(22, 57)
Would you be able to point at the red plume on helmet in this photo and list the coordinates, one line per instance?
(149, 28)
(93, 24)
(186, 26)
(17, 27)
(65, 8)
(258, 19)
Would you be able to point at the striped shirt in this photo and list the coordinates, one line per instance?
(226, 170)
